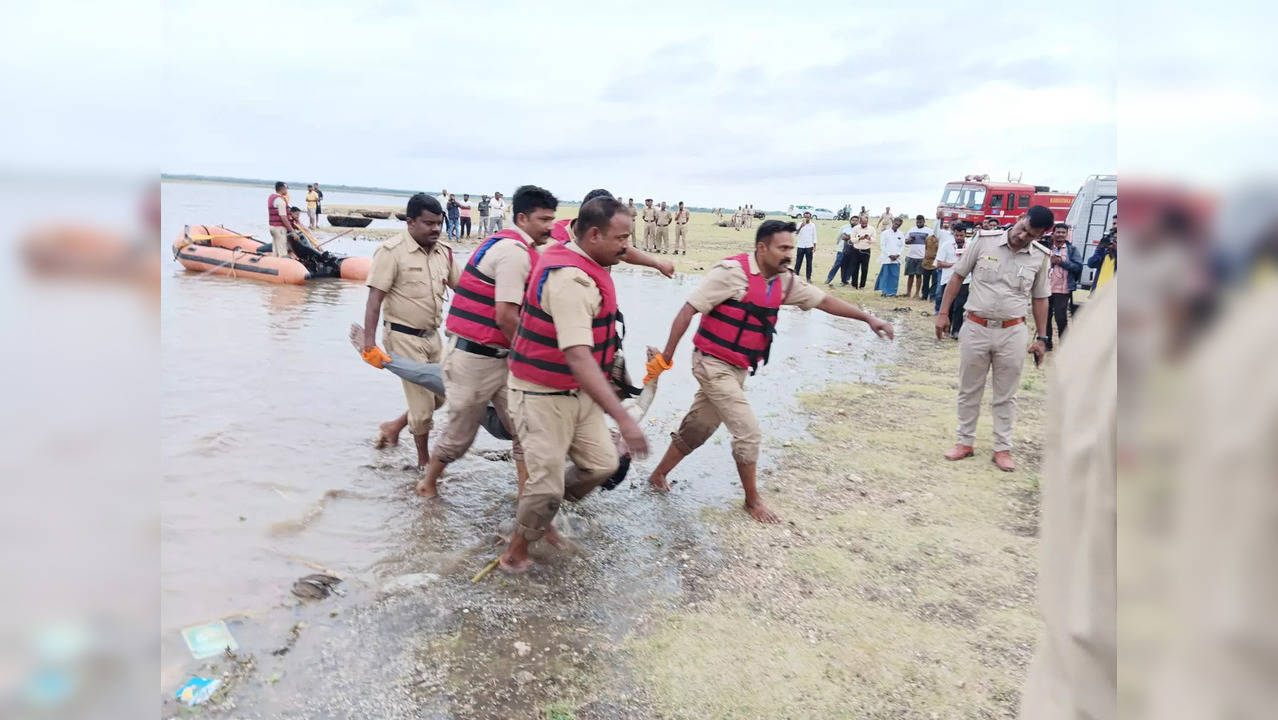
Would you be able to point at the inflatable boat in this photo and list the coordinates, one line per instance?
(215, 249)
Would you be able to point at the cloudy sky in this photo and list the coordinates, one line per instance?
(825, 103)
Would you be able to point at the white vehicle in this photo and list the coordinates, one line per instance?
(1090, 217)
(796, 211)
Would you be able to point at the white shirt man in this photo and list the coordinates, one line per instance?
(497, 211)
(807, 236)
(917, 250)
(862, 236)
(946, 252)
(891, 242)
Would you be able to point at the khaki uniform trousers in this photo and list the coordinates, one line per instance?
(421, 402)
(721, 399)
(662, 243)
(649, 236)
(982, 350)
(681, 237)
(550, 427)
(279, 241)
(473, 381)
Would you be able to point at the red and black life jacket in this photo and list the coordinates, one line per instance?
(273, 216)
(561, 232)
(536, 356)
(739, 332)
(473, 313)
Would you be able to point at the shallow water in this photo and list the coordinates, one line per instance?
(270, 473)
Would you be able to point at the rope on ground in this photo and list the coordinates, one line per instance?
(487, 569)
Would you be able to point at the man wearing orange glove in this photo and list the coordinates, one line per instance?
(739, 299)
(410, 274)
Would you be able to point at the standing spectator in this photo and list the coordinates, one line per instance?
(1104, 259)
(661, 243)
(496, 213)
(915, 251)
(885, 220)
(856, 257)
(484, 206)
(454, 212)
(891, 245)
(946, 258)
(806, 245)
(990, 224)
(312, 205)
(634, 215)
(941, 234)
(841, 247)
(960, 300)
(649, 225)
(682, 216)
(319, 200)
(443, 198)
(749, 216)
(1009, 273)
(463, 209)
(1067, 265)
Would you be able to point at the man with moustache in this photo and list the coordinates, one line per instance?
(739, 299)
(559, 364)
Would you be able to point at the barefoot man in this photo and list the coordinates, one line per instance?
(482, 322)
(738, 300)
(410, 274)
(559, 386)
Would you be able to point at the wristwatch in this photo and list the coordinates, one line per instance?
(1042, 339)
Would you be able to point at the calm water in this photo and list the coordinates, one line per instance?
(268, 422)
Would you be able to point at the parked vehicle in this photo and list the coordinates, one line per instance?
(977, 197)
(1090, 217)
(796, 211)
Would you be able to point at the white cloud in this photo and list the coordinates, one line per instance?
(755, 104)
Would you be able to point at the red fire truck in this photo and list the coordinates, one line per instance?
(976, 197)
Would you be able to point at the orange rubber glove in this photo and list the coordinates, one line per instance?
(655, 367)
(376, 357)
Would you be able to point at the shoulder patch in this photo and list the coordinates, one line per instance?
(393, 242)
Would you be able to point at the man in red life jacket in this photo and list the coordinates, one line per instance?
(482, 321)
(738, 299)
(559, 386)
(411, 273)
(563, 232)
(277, 217)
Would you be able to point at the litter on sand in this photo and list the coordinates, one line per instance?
(315, 587)
(197, 690)
(210, 639)
(487, 569)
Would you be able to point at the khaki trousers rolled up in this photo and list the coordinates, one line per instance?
(721, 399)
(421, 402)
(681, 237)
(551, 427)
(473, 381)
(998, 352)
(649, 236)
(663, 238)
(279, 241)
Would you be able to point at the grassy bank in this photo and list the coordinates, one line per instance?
(900, 585)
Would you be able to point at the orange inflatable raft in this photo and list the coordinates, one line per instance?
(215, 249)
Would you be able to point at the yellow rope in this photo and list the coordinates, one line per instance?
(485, 571)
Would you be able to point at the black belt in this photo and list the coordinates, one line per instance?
(545, 394)
(409, 330)
(471, 346)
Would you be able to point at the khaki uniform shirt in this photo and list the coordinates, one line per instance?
(508, 264)
(862, 237)
(572, 300)
(682, 216)
(414, 281)
(1003, 280)
(649, 214)
(727, 281)
(663, 218)
(634, 212)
